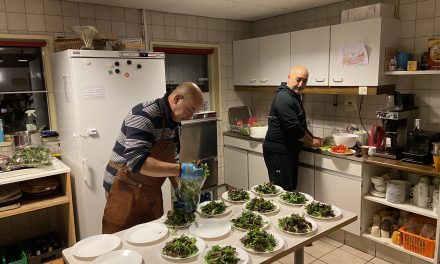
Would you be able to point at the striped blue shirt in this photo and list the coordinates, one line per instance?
(140, 130)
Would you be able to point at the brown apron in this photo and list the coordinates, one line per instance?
(135, 198)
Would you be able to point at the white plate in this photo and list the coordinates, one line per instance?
(227, 210)
(336, 210)
(279, 190)
(277, 207)
(279, 239)
(242, 255)
(314, 226)
(119, 256)
(146, 233)
(265, 219)
(309, 199)
(199, 243)
(95, 246)
(225, 197)
(352, 152)
(210, 228)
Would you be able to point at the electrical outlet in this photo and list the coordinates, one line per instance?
(363, 90)
(350, 103)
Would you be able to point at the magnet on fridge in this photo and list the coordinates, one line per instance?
(110, 72)
(127, 74)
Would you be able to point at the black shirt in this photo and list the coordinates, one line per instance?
(287, 122)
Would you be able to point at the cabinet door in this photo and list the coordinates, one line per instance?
(367, 32)
(236, 167)
(306, 180)
(245, 54)
(257, 169)
(344, 191)
(310, 48)
(274, 59)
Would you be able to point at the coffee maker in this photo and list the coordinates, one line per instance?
(396, 124)
(419, 145)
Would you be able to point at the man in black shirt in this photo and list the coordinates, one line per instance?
(287, 131)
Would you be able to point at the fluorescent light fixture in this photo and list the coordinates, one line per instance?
(23, 60)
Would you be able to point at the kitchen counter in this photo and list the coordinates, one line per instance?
(305, 148)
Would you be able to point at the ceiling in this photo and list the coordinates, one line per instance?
(245, 10)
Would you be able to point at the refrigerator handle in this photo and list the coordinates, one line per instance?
(85, 169)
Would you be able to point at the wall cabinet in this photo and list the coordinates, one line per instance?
(310, 48)
(262, 61)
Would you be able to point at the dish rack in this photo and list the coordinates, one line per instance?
(238, 113)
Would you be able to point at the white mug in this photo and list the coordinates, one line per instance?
(414, 193)
(371, 151)
(422, 195)
(435, 200)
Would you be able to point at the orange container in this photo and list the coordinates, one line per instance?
(417, 244)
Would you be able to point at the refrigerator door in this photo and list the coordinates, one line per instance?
(103, 98)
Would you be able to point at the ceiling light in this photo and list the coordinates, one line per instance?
(22, 60)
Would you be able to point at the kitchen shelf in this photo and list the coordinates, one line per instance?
(406, 206)
(349, 90)
(402, 165)
(387, 242)
(412, 72)
(33, 205)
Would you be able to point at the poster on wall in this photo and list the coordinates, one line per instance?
(354, 54)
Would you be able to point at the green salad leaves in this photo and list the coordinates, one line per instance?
(222, 255)
(259, 240)
(179, 218)
(248, 221)
(295, 223)
(266, 188)
(318, 209)
(293, 197)
(238, 195)
(261, 205)
(214, 208)
(181, 247)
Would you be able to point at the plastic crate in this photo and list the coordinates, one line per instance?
(13, 254)
(417, 244)
(32, 244)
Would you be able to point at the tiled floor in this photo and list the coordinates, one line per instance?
(329, 251)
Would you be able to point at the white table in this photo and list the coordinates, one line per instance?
(151, 253)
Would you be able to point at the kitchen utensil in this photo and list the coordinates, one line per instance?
(119, 256)
(146, 233)
(436, 159)
(346, 139)
(396, 238)
(95, 246)
(22, 138)
(422, 195)
(238, 114)
(413, 178)
(376, 137)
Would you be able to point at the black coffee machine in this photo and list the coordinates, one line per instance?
(419, 145)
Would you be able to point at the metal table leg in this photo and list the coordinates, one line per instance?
(299, 256)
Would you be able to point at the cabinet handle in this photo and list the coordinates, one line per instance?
(252, 80)
(320, 79)
(339, 80)
(264, 80)
(85, 169)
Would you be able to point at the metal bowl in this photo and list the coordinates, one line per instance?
(22, 138)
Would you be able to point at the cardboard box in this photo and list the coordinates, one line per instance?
(365, 12)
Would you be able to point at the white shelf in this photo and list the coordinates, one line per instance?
(387, 242)
(412, 72)
(407, 206)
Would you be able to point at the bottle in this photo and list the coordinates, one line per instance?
(416, 125)
(392, 64)
(2, 133)
(31, 122)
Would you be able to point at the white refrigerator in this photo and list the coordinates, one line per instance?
(94, 91)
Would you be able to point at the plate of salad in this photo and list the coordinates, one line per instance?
(182, 247)
(296, 224)
(237, 196)
(321, 210)
(267, 189)
(179, 219)
(219, 254)
(295, 198)
(261, 206)
(214, 208)
(249, 220)
(261, 241)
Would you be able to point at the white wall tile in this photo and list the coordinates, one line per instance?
(212, 23)
(133, 30)
(157, 18)
(102, 12)
(221, 24)
(425, 27)
(16, 21)
(321, 12)
(425, 9)
(437, 26)
(406, 45)
(3, 23)
(70, 9)
(118, 28)
(169, 19)
(299, 17)
(192, 34)
(180, 20)
(133, 15)
(158, 32)
(191, 21)
(35, 22)
(117, 13)
(52, 7)
(2, 6)
(309, 15)
(346, 5)
(34, 6)
(181, 33)
(421, 44)
(334, 10)
(103, 26)
(202, 35)
(358, 3)
(15, 6)
(87, 10)
(70, 21)
(170, 33)
(202, 22)
(87, 21)
(408, 12)
(437, 7)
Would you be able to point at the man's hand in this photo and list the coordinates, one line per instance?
(317, 142)
(189, 171)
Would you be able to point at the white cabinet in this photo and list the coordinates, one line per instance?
(306, 180)
(376, 34)
(236, 167)
(262, 61)
(245, 61)
(257, 169)
(310, 48)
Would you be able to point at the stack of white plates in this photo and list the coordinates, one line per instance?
(258, 132)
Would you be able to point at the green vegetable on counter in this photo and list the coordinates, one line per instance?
(259, 240)
(29, 156)
(293, 197)
(181, 247)
(266, 188)
(295, 224)
(238, 195)
(222, 255)
(248, 221)
(179, 218)
(214, 208)
(319, 209)
(261, 205)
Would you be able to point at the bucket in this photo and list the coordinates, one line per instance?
(22, 138)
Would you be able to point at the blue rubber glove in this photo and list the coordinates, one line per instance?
(189, 171)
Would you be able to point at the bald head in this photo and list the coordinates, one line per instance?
(297, 78)
(185, 100)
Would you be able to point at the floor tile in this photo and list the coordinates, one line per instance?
(392, 255)
(318, 261)
(289, 259)
(331, 241)
(319, 249)
(378, 261)
(357, 253)
(339, 256)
